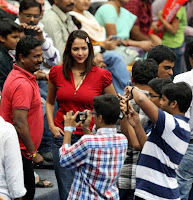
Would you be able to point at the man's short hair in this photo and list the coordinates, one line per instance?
(160, 53)
(7, 26)
(25, 45)
(26, 4)
(144, 70)
(158, 83)
(108, 106)
(190, 50)
(181, 92)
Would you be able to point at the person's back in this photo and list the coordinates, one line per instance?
(11, 176)
(98, 158)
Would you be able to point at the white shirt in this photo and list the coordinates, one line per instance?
(187, 77)
(11, 168)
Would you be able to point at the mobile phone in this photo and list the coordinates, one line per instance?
(114, 37)
(81, 117)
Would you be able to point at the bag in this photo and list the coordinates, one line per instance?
(129, 53)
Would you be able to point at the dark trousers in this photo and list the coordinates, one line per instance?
(138, 198)
(29, 179)
(126, 194)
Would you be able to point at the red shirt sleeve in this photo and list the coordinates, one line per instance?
(23, 96)
(106, 78)
(53, 74)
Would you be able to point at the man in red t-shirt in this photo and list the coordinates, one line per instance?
(21, 106)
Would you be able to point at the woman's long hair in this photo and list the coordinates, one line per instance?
(68, 60)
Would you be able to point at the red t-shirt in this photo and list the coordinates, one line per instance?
(21, 92)
(70, 99)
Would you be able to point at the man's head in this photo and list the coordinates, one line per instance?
(9, 34)
(190, 53)
(176, 97)
(144, 71)
(29, 54)
(107, 109)
(155, 89)
(65, 5)
(165, 59)
(30, 12)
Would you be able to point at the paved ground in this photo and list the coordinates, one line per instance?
(47, 193)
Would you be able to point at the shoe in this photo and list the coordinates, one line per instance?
(47, 156)
(43, 183)
(44, 165)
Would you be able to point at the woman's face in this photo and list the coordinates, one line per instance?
(82, 5)
(79, 50)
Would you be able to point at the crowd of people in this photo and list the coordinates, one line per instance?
(69, 102)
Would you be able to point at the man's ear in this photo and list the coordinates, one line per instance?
(100, 118)
(2, 39)
(174, 104)
(21, 58)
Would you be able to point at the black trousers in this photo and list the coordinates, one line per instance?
(29, 179)
(138, 198)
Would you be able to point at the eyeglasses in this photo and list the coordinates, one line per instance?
(30, 15)
(153, 96)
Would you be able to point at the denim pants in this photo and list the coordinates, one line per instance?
(117, 66)
(185, 173)
(64, 176)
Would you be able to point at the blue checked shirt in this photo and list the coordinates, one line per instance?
(98, 160)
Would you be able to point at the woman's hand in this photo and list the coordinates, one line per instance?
(56, 131)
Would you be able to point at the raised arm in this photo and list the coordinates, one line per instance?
(144, 102)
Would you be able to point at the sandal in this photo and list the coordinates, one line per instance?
(42, 184)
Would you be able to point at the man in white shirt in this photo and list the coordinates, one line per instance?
(184, 172)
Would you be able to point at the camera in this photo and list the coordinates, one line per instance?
(81, 117)
(31, 32)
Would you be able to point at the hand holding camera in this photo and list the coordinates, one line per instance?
(32, 30)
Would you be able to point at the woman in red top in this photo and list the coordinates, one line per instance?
(74, 84)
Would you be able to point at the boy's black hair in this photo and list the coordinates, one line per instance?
(144, 70)
(25, 45)
(190, 49)
(26, 4)
(160, 53)
(158, 83)
(108, 106)
(181, 92)
(7, 26)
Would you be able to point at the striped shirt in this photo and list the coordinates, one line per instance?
(160, 157)
(98, 160)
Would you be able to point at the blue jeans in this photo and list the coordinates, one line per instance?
(185, 173)
(64, 176)
(46, 143)
(117, 66)
(177, 66)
